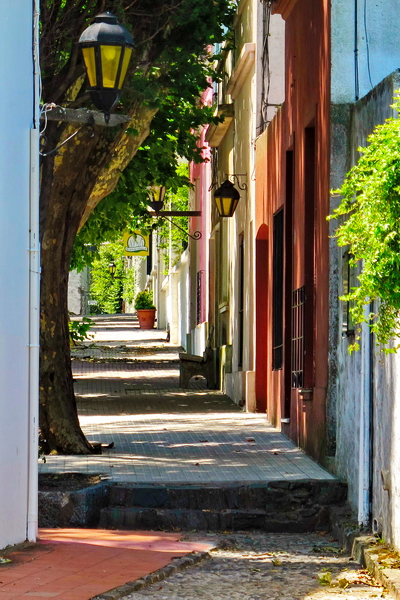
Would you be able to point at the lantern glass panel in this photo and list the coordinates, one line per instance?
(226, 206)
(90, 63)
(124, 68)
(110, 56)
(218, 202)
(158, 193)
(234, 204)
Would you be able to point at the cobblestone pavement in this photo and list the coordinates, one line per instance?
(255, 566)
(128, 395)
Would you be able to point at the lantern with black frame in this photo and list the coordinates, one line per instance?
(107, 49)
(156, 193)
(112, 267)
(226, 199)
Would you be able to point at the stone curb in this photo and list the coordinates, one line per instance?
(177, 565)
(364, 548)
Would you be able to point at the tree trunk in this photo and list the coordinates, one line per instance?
(85, 170)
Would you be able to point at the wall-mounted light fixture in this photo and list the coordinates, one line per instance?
(112, 267)
(157, 194)
(226, 196)
(156, 202)
(107, 49)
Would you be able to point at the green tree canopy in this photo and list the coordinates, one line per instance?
(170, 67)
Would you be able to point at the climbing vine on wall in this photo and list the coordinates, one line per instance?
(370, 225)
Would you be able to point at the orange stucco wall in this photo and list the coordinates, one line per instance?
(307, 104)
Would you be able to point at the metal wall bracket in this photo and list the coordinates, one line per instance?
(82, 116)
(233, 178)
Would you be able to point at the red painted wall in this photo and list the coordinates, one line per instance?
(307, 105)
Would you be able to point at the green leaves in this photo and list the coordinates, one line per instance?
(369, 216)
(110, 291)
(78, 330)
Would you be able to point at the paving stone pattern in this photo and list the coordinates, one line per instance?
(162, 433)
(269, 567)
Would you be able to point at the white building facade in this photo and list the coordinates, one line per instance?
(19, 275)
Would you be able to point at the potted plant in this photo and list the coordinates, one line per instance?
(145, 309)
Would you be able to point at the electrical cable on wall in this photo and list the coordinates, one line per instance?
(266, 75)
(367, 43)
(356, 74)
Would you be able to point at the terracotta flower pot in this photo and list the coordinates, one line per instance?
(146, 317)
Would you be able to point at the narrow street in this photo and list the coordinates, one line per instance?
(256, 566)
(165, 437)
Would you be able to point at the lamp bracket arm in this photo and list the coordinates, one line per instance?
(196, 235)
(82, 116)
(234, 178)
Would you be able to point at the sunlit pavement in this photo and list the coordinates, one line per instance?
(127, 394)
(77, 564)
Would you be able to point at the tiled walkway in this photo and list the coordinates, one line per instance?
(161, 433)
(78, 564)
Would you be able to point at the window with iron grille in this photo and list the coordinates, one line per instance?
(277, 292)
(199, 293)
(298, 302)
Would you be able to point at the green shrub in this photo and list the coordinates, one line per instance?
(144, 300)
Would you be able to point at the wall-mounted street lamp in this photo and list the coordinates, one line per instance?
(107, 49)
(157, 194)
(226, 198)
(156, 202)
(112, 267)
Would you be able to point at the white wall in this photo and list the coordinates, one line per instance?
(349, 381)
(74, 292)
(270, 57)
(174, 301)
(183, 298)
(378, 24)
(16, 110)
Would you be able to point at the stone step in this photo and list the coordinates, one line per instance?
(277, 506)
(282, 496)
(300, 521)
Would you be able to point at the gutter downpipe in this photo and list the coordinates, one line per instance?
(364, 470)
(34, 291)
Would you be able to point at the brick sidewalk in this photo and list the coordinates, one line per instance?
(162, 433)
(78, 564)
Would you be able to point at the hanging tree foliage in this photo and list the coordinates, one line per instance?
(371, 229)
(169, 65)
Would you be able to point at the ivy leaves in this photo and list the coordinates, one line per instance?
(369, 215)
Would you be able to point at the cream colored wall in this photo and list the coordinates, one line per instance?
(236, 156)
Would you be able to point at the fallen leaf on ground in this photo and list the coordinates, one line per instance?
(325, 578)
(276, 562)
